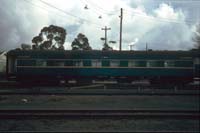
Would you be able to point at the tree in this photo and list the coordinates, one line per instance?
(81, 43)
(196, 37)
(37, 40)
(25, 46)
(106, 47)
(52, 37)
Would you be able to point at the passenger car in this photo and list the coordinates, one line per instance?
(85, 66)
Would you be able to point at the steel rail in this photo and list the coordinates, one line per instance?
(115, 114)
(19, 85)
(112, 131)
(153, 93)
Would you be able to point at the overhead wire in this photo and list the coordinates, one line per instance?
(69, 14)
(180, 1)
(158, 19)
(36, 5)
(41, 7)
(125, 10)
(102, 10)
(95, 11)
(152, 18)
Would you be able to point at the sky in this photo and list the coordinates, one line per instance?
(161, 24)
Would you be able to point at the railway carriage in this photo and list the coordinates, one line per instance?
(85, 66)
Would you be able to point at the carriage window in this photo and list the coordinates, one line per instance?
(155, 64)
(96, 63)
(169, 64)
(160, 63)
(132, 64)
(59, 63)
(86, 63)
(114, 63)
(123, 63)
(11, 64)
(77, 63)
(149, 63)
(105, 63)
(69, 63)
(55, 63)
(137, 64)
(183, 63)
(196, 60)
(41, 63)
(25, 62)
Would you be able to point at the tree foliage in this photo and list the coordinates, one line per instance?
(106, 47)
(52, 37)
(25, 46)
(81, 43)
(196, 37)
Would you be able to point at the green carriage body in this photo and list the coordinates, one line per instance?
(129, 65)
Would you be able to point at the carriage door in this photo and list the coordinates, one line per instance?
(196, 67)
(11, 65)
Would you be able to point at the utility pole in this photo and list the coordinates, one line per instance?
(146, 47)
(105, 33)
(120, 34)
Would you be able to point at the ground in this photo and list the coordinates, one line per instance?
(99, 102)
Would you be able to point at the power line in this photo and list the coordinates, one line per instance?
(101, 9)
(180, 1)
(158, 19)
(45, 9)
(35, 5)
(88, 8)
(67, 13)
(175, 1)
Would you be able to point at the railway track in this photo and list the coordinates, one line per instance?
(14, 84)
(105, 94)
(102, 114)
(150, 131)
(97, 90)
(109, 92)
